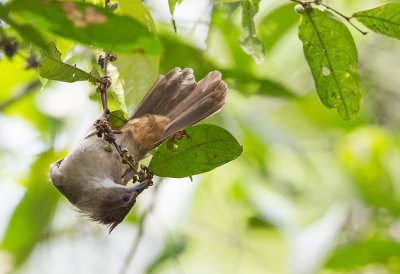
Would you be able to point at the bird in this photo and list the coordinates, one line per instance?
(94, 179)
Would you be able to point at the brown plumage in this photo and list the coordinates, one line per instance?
(175, 101)
(90, 177)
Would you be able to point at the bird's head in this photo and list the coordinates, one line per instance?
(109, 205)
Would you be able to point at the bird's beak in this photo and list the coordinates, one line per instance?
(140, 187)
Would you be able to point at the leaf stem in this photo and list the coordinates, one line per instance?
(300, 2)
(347, 18)
(307, 4)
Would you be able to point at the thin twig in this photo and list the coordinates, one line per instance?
(347, 18)
(105, 63)
(139, 235)
(103, 91)
(104, 130)
(122, 154)
(27, 90)
(319, 2)
(298, 2)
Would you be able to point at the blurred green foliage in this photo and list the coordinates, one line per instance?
(29, 224)
(311, 193)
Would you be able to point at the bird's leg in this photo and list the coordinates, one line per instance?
(180, 134)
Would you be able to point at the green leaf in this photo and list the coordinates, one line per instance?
(275, 24)
(332, 56)
(31, 219)
(259, 222)
(374, 251)
(205, 148)
(384, 19)
(117, 89)
(244, 81)
(117, 118)
(225, 27)
(51, 67)
(3, 12)
(172, 5)
(27, 32)
(138, 11)
(249, 40)
(136, 71)
(88, 24)
(188, 57)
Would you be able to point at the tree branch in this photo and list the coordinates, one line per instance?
(103, 87)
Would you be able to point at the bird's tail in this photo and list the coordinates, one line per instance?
(182, 100)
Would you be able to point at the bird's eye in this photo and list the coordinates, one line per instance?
(125, 198)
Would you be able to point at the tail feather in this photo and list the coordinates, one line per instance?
(185, 102)
(164, 92)
(199, 109)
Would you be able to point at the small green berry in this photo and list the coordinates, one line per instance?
(113, 5)
(108, 148)
(299, 9)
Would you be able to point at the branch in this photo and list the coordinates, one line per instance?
(106, 81)
(139, 235)
(29, 88)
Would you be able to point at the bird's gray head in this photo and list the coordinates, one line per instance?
(101, 202)
(109, 205)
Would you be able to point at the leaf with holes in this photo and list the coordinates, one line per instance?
(205, 148)
(249, 40)
(27, 32)
(53, 68)
(332, 56)
(87, 23)
(384, 19)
